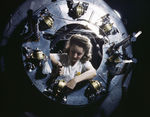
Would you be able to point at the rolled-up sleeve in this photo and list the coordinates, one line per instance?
(86, 66)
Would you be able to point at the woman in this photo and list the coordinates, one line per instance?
(74, 64)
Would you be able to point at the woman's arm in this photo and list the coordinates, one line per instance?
(53, 59)
(57, 64)
(89, 74)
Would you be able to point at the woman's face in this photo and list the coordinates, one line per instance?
(76, 53)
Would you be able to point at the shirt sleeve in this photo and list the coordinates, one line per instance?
(86, 65)
(63, 58)
(56, 56)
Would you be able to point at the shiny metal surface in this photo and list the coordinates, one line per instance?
(89, 23)
(92, 19)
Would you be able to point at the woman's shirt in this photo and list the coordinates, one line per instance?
(71, 71)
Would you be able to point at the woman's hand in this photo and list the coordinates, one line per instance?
(60, 69)
(71, 84)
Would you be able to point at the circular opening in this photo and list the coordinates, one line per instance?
(63, 34)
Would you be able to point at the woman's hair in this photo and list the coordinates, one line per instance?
(82, 41)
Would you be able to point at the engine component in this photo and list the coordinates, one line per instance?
(29, 66)
(32, 32)
(36, 59)
(113, 50)
(51, 22)
(48, 20)
(107, 27)
(59, 87)
(57, 91)
(94, 89)
(38, 54)
(76, 10)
